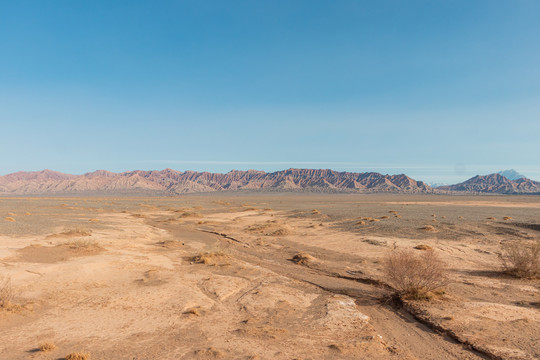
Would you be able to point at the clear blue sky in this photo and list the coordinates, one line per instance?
(439, 90)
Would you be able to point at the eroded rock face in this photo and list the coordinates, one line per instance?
(495, 183)
(176, 182)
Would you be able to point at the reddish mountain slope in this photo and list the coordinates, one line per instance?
(170, 181)
(496, 184)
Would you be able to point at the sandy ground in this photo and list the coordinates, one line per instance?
(211, 276)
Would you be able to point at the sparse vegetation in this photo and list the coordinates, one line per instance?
(423, 247)
(82, 245)
(46, 346)
(77, 231)
(190, 214)
(9, 218)
(214, 257)
(415, 275)
(521, 259)
(78, 356)
(506, 218)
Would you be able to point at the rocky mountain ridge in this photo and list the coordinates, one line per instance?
(171, 182)
(495, 184)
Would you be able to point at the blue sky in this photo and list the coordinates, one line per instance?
(439, 90)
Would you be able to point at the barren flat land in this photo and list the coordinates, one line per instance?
(262, 276)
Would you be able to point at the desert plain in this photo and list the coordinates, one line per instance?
(261, 276)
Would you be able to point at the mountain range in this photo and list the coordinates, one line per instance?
(171, 182)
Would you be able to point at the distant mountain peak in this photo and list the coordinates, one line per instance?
(495, 183)
(511, 174)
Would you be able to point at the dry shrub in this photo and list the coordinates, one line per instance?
(46, 346)
(385, 217)
(361, 223)
(428, 228)
(71, 232)
(214, 257)
(506, 218)
(77, 231)
(303, 258)
(521, 259)
(6, 292)
(209, 353)
(315, 211)
(190, 214)
(78, 356)
(281, 231)
(9, 218)
(491, 218)
(423, 247)
(139, 216)
(82, 245)
(415, 275)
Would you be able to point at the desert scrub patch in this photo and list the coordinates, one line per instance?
(82, 245)
(506, 218)
(77, 356)
(9, 219)
(212, 257)
(46, 346)
(75, 231)
(190, 214)
(415, 275)
(428, 228)
(521, 259)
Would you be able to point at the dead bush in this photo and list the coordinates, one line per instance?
(46, 346)
(415, 275)
(213, 257)
(521, 259)
(77, 356)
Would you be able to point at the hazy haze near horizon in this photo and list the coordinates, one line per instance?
(440, 91)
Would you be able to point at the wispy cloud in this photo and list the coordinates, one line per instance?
(341, 164)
